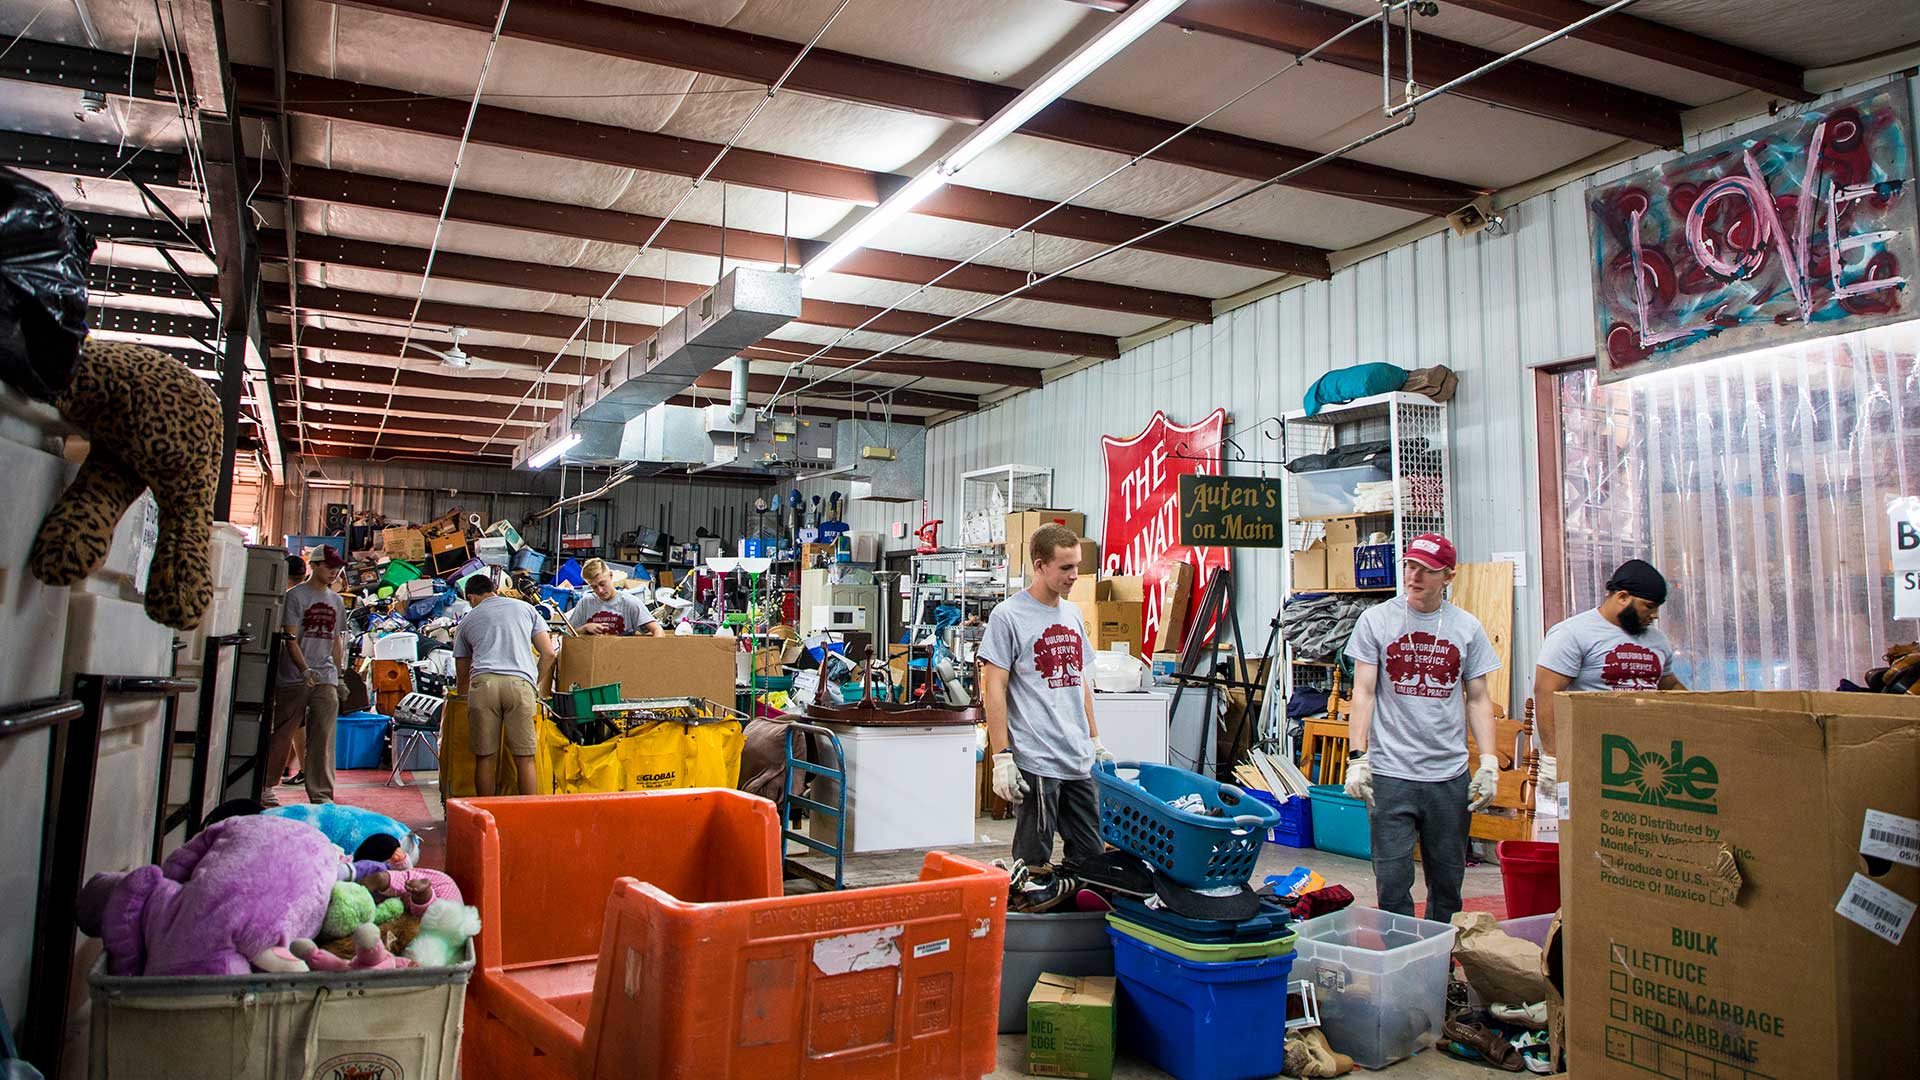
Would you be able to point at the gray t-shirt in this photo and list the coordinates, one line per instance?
(314, 616)
(1045, 653)
(624, 614)
(497, 635)
(1598, 655)
(1419, 708)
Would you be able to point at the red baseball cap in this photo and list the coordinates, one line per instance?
(325, 555)
(1431, 550)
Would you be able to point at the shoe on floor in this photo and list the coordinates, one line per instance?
(295, 780)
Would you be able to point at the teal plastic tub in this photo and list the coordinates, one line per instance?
(1339, 823)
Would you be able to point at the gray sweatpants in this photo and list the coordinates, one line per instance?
(1434, 813)
(1070, 808)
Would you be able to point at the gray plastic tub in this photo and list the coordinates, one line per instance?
(403, 1022)
(1068, 943)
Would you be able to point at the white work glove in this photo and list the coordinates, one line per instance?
(1101, 754)
(1549, 777)
(311, 677)
(1485, 783)
(1007, 782)
(1360, 779)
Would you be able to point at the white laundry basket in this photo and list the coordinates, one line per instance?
(399, 1024)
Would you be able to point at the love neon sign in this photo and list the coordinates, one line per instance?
(1804, 228)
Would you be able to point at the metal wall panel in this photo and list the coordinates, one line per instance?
(1491, 307)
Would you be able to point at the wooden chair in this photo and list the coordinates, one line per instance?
(1327, 738)
(1517, 782)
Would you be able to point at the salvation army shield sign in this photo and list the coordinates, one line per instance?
(1141, 534)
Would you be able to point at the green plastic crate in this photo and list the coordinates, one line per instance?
(1204, 954)
(578, 703)
(399, 572)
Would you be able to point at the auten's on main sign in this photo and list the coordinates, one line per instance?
(1232, 511)
(1804, 228)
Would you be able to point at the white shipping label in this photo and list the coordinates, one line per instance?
(1891, 836)
(1877, 908)
(1563, 800)
(931, 948)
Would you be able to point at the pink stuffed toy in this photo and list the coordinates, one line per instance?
(229, 901)
(420, 887)
(369, 953)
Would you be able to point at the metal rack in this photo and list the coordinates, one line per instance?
(988, 495)
(975, 580)
(1415, 428)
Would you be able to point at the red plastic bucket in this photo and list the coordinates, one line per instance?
(1530, 877)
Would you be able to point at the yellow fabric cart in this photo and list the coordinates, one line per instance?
(660, 743)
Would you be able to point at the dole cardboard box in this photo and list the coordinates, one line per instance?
(1738, 874)
(698, 666)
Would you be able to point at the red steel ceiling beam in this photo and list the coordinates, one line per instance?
(713, 50)
(397, 310)
(772, 349)
(618, 227)
(359, 422)
(1523, 85)
(427, 380)
(439, 403)
(578, 140)
(572, 281)
(1630, 33)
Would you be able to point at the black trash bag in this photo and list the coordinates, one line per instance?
(44, 252)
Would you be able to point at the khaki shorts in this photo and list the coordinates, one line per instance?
(497, 704)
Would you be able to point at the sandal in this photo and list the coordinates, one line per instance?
(1493, 1049)
(1536, 1051)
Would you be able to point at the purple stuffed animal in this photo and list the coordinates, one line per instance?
(229, 901)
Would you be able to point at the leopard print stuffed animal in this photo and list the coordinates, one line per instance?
(151, 423)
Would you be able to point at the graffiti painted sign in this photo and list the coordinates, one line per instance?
(1141, 535)
(1801, 229)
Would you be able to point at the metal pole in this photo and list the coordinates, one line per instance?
(1516, 54)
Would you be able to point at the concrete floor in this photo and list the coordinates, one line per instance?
(1481, 891)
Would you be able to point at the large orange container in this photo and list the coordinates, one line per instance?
(644, 934)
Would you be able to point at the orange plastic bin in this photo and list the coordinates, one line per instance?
(644, 934)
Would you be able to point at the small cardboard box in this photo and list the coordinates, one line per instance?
(1131, 588)
(1343, 532)
(1700, 824)
(1089, 589)
(1020, 528)
(1310, 568)
(1112, 622)
(699, 666)
(1070, 1026)
(1340, 572)
(404, 544)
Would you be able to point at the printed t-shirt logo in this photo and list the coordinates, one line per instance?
(317, 621)
(1631, 667)
(610, 621)
(1421, 665)
(1056, 656)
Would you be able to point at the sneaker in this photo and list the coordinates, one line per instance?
(1044, 893)
(295, 780)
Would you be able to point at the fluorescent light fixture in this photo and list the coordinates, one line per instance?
(1122, 32)
(1143, 16)
(912, 194)
(317, 479)
(551, 452)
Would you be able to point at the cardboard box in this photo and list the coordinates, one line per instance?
(1070, 1026)
(1714, 884)
(1089, 589)
(697, 666)
(1176, 587)
(1343, 532)
(1020, 528)
(1310, 568)
(1340, 573)
(1129, 587)
(1113, 622)
(1089, 558)
(404, 544)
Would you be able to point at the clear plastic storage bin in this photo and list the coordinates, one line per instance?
(1381, 980)
(1329, 492)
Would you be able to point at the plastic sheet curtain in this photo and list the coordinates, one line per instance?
(1759, 485)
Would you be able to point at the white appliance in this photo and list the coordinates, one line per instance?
(907, 787)
(1134, 725)
(838, 617)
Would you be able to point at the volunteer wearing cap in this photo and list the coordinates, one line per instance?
(1038, 699)
(1610, 647)
(1408, 732)
(607, 610)
(308, 695)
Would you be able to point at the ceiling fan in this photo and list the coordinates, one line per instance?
(454, 357)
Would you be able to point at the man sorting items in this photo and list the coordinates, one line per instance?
(1408, 732)
(307, 697)
(607, 610)
(1610, 647)
(1040, 727)
(493, 649)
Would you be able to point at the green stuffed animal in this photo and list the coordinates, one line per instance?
(150, 422)
(352, 906)
(445, 929)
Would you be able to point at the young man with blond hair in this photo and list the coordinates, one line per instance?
(494, 647)
(1039, 706)
(607, 610)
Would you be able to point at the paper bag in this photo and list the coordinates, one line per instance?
(1503, 968)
